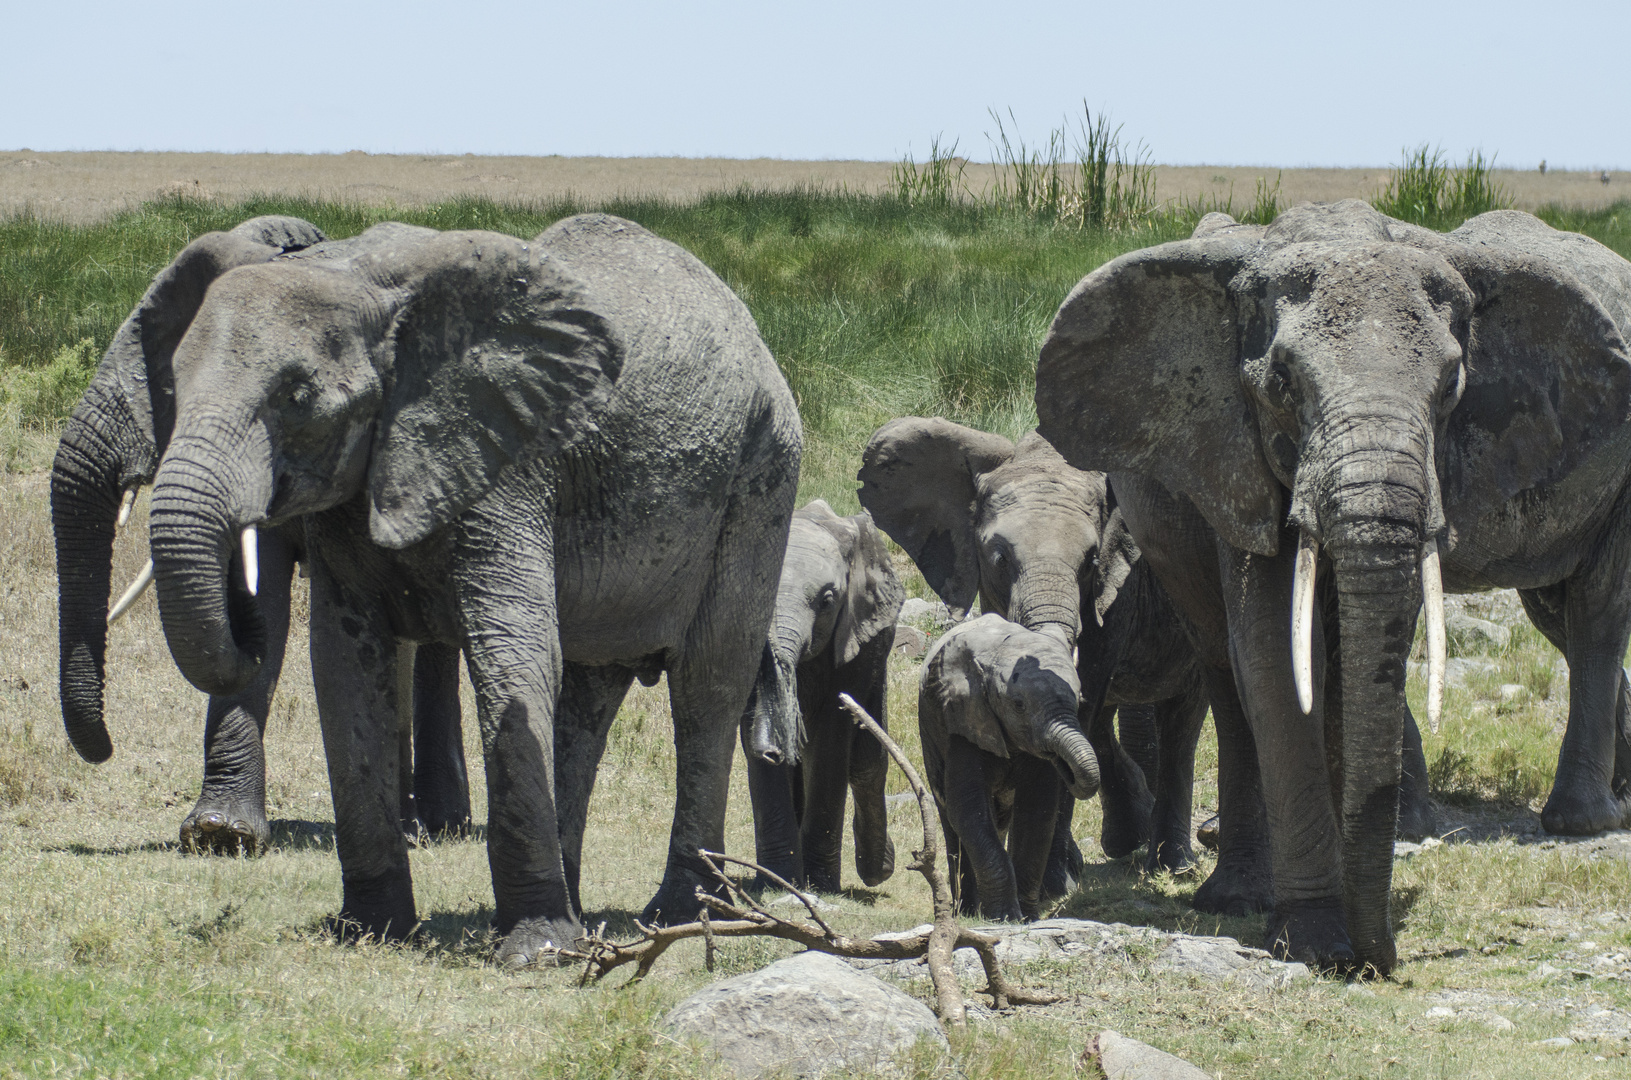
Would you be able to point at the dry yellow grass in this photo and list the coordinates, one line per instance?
(83, 187)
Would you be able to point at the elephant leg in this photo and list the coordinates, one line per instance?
(408, 813)
(775, 818)
(504, 579)
(1309, 922)
(354, 675)
(978, 822)
(1242, 883)
(1124, 792)
(1031, 830)
(590, 698)
(1178, 722)
(825, 766)
(1597, 623)
(959, 870)
(1065, 863)
(230, 815)
(441, 785)
(869, 767)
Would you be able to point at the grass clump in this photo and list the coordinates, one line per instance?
(1427, 190)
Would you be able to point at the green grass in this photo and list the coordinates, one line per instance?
(1427, 190)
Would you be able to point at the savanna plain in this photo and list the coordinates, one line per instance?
(121, 957)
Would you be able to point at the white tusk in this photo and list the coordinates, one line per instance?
(1432, 596)
(132, 594)
(252, 562)
(125, 507)
(1302, 619)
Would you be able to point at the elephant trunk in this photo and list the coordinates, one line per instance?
(1048, 599)
(1078, 764)
(1374, 531)
(99, 452)
(214, 628)
(776, 723)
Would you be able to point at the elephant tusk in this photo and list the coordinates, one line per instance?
(132, 594)
(252, 565)
(1432, 594)
(125, 506)
(1302, 620)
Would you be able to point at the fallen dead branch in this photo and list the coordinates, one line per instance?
(742, 916)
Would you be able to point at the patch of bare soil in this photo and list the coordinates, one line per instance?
(88, 186)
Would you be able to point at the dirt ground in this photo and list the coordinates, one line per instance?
(85, 187)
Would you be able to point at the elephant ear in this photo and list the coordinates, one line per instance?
(959, 679)
(1141, 372)
(918, 481)
(1548, 379)
(498, 357)
(872, 604)
(1118, 554)
(139, 360)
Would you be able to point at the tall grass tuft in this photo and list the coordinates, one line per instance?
(1088, 179)
(1264, 208)
(1427, 190)
(936, 182)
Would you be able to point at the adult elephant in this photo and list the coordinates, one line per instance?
(836, 608)
(1043, 544)
(1390, 411)
(110, 448)
(572, 458)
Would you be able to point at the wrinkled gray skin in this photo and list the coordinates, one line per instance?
(1043, 544)
(573, 459)
(997, 715)
(836, 608)
(1379, 387)
(112, 444)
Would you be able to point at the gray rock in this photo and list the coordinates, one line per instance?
(804, 1016)
(910, 641)
(929, 615)
(1121, 1058)
(1602, 1025)
(1469, 635)
(1225, 960)
(1456, 670)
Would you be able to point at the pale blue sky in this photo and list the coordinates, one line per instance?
(1211, 82)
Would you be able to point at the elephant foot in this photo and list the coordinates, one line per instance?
(1237, 886)
(676, 900)
(225, 826)
(442, 814)
(538, 941)
(1315, 934)
(1173, 856)
(823, 881)
(875, 865)
(1126, 827)
(351, 925)
(1582, 810)
(1207, 833)
(1064, 868)
(1417, 818)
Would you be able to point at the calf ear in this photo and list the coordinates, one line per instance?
(918, 482)
(1118, 553)
(497, 358)
(958, 681)
(1548, 381)
(872, 603)
(1141, 372)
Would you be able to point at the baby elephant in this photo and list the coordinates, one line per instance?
(997, 713)
(836, 608)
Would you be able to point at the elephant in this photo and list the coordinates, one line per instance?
(997, 714)
(110, 447)
(1043, 544)
(834, 627)
(1342, 415)
(571, 458)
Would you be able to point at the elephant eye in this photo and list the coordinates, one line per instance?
(1454, 386)
(829, 597)
(1279, 378)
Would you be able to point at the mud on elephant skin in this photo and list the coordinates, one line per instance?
(1367, 413)
(997, 715)
(1042, 544)
(836, 608)
(109, 449)
(572, 458)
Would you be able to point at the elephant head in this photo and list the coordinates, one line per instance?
(1008, 690)
(112, 444)
(837, 596)
(1377, 388)
(1036, 537)
(404, 369)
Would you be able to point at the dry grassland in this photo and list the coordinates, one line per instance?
(121, 957)
(84, 187)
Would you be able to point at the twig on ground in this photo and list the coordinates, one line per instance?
(745, 918)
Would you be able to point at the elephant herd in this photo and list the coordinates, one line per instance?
(1262, 453)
